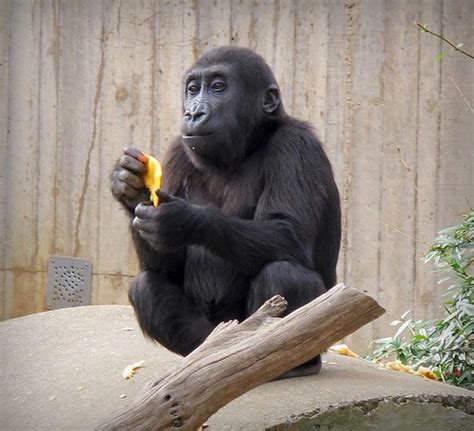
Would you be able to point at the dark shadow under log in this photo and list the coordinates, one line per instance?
(235, 358)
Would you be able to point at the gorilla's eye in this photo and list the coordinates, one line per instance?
(193, 89)
(218, 85)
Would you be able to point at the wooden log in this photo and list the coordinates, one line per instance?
(238, 357)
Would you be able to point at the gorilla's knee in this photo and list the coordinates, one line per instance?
(273, 272)
(265, 285)
(296, 283)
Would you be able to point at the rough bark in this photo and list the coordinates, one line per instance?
(238, 357)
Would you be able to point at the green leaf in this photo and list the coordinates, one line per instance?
(469, 309)
(402, 328)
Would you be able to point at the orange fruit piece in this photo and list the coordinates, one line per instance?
(153, 176)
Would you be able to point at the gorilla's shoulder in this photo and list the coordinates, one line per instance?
(295, 137)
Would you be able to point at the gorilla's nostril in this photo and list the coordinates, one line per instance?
(198, 115)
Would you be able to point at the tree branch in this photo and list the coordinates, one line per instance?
(424, 28)
(235, 358)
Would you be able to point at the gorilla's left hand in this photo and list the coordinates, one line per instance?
(170, 225)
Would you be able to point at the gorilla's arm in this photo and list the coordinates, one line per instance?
(129, 190)
(289, 211)
(298, 193)
(250, 244)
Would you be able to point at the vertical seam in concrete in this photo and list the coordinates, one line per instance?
(119, 17)
(9, 105)
(196, 44)
(38, 136)
(252, 36)
(326, 109)
(5, 177)
(295, 23)
(348, 126)
(415, 196)
(343, 243)
(153, 77)
(96, 280)
(230, 24)
(99, 79)
(184, 63)
(381, 176)
(158, 135)
(440, 118)
(276, 14)
(9, 296)
(57, 61)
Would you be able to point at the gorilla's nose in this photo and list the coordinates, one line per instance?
(197, 114)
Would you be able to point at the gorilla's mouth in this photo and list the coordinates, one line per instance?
(196, 135)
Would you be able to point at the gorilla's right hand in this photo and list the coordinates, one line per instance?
(127, 179)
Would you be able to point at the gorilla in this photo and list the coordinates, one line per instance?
(248, 208)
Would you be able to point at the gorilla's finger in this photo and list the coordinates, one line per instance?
(132, 164)
(144, 210)
(128, 191)
(121, 189)
(136, 153)
(132, 151)
(164, 196)
(131, 179)
(146, 226)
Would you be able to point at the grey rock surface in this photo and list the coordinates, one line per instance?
(62, 370)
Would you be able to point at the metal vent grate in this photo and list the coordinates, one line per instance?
(69, 282)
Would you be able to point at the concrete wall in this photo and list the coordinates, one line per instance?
(81, 79)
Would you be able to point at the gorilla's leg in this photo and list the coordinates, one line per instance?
(166, 314)
(298, 285)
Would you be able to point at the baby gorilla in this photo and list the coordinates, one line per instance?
(249, 208)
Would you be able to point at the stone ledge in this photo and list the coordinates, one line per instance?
(62, 371)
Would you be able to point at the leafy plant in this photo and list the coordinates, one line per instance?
(446, 345)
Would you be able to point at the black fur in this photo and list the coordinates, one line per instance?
(249, 208)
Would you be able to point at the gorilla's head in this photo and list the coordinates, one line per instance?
(231, 103)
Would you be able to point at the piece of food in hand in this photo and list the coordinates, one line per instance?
(153, 176)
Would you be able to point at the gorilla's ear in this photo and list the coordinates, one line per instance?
(271, 101)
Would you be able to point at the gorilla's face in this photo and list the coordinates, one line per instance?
(224, 115)
(212, 113)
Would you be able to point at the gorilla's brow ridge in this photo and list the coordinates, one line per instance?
(208, 72)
